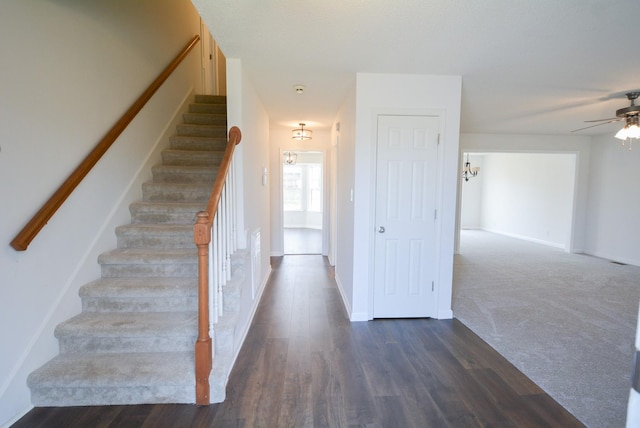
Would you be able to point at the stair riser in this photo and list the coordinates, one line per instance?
(169, 215)
(165, 192)
(150, 270)
(126, 344)
(195, 158)
(105, 396)
(156, 242)
(205, 119)
(211, 99)
(208, 108)
(181, 142)
(163, 175)
(142, 304)
(168, 176)
(202, 130)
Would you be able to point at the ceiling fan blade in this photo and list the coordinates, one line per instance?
(612, 119)
(598, 124)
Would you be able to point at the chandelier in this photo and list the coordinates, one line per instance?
(290, 158)
(468, 171)
(301, 133)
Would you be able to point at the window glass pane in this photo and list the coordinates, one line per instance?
(292, 188)
(315, 188)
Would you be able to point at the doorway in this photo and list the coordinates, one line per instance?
(302, 202)
(529, 196)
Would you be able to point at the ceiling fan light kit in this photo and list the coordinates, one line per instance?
(631, 117)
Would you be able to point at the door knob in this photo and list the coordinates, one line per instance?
(381, 229)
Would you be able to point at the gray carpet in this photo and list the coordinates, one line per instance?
(567, 321)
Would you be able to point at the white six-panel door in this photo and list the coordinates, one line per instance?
(405, 211)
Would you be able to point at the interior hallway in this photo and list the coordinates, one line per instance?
(568, 321)
(302, 240)
(304, 364)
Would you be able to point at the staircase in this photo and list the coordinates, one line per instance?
(133, 341)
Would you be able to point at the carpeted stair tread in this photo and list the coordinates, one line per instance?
(192, 157)
(154, 236)
(176, 192)
(145, 256)
(195, 143)
(130, 324)
(165, 212)
(106, 332)
(140, 287)
(140, 294)
(115, 370)
(184, 173)
(219, 119)
(211, 99)
(202, 130)
(140, 262)
(212, 108)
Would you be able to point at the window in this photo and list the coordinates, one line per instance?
(302, 187)
(315, 188)
(292, 183)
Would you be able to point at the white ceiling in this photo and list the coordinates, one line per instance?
(527, 66)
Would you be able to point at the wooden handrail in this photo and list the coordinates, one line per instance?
(42, 217)
(202, 238)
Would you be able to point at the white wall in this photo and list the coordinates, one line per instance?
(404, 94)
(580, 146)
(344, 153)
(246, 111)
(70, 70)
(613, 226)
(529, 196)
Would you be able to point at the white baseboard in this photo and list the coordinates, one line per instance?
(526, 238)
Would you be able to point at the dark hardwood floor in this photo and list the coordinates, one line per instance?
(305, 365)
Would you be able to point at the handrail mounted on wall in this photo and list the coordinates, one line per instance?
(42, 217)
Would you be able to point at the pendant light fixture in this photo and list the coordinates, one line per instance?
(468, 171)
(301, 133)
(290, 158)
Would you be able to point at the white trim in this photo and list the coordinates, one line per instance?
(525, 238)
(345, 303)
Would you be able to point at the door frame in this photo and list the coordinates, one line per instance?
(440, 165)
(325, 195)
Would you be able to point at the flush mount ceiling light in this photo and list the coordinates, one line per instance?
(301, 133)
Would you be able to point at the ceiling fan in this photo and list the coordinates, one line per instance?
(631, 116)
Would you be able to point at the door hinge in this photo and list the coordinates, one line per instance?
(438, 138)
(432, 286)
(435, 215)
